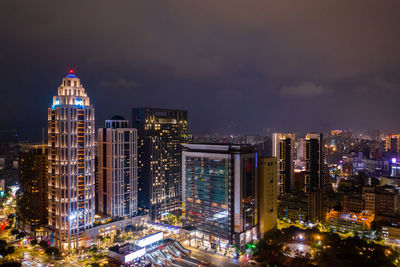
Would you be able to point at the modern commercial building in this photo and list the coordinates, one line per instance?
(71, 145)
(152, 250)
(33, 182)
(117, 168)
(160, 135)
(220, 194)
(267, 194)
(314, 174)
(283, 150)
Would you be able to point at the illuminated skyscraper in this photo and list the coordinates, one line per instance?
(315, 160)
(71, 147)
(33, 182)
(220, 194)
(117, 165)
(160, 135)
(283, 150)
(315, 175)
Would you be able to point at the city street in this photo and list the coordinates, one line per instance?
(33, 255)
(215, 259)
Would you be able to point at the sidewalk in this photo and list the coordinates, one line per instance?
(209, 251)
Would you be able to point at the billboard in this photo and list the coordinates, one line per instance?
(136, 254)
(150, 239)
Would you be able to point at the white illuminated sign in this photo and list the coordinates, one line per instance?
(149, 239)
(137, 254)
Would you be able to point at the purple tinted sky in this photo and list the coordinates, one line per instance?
(240, 66)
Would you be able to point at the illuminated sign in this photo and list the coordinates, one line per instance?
(56, 103)
(147, 240)
(79, 102)
(134, 255)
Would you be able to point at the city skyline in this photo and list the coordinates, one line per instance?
(248, 63)
(211, 133)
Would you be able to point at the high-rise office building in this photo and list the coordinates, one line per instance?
(33, 182)
(314, 174)
(314, 157)
(71, 144)
(220, 194)
(267, 194)
(392, 143)
(160, 135)
(283, 150)
(117, 168)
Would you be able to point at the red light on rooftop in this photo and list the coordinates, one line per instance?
(71, 71)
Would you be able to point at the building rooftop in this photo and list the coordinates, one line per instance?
(219, 148)
(71, 74)
(117, 118)
(125, 249)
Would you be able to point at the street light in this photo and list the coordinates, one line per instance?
(300, 237)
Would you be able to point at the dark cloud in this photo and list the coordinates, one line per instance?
(238, 65)
(120, 83)
(305, 89)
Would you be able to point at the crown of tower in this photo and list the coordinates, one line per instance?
(71, 74)
(71, 92)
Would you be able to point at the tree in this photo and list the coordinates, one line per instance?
(301, 259)
(11, 264)
(93, 249)
(4, 249)
(20, 235)
(43, 244)
(52, 252)
(14, 232)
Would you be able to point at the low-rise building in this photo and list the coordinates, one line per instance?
(293, 208)
(125, 255)
(391, 234)
(349, 221)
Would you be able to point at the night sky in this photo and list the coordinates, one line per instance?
(236, 66)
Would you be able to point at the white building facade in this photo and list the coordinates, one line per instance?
(117, 165)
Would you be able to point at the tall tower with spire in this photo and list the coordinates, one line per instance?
(71, 144)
